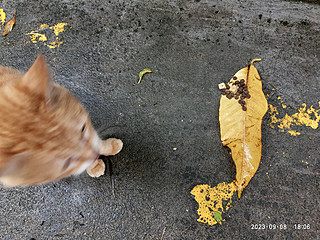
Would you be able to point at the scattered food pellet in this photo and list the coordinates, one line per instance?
(222, 86)
(238, 89)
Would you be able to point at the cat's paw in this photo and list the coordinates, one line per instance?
(111, 146)
(96, 169)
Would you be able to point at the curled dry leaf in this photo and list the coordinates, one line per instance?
(9, 25)
(143, 72)
(242, 107)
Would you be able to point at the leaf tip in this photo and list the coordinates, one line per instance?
(255, 60)
(240, 187)
(239, 193)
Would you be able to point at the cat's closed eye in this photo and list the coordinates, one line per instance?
(68, 163)
(83, 130)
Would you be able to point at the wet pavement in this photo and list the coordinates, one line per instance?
(169, 122)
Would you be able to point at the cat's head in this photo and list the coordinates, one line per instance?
(45, 133)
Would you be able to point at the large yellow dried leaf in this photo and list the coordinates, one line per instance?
(240, 123)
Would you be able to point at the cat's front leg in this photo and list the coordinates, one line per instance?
(108, 147)
(96, 169)
(111, 146)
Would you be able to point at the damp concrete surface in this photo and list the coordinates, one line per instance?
(169, 123)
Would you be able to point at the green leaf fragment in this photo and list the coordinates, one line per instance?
(217, 216)
(143, 72)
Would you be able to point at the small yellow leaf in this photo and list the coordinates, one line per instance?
(143, 72)
(241, 111)
(9, 25)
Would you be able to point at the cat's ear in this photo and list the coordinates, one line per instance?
(38, 77)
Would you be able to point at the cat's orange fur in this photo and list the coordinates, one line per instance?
(45, 133)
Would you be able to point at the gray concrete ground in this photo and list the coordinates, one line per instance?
(191, 46)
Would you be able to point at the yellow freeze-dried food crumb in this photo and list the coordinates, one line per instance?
(309, 117)
(210, 200)
(39, 35)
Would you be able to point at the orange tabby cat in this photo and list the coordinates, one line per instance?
(45, 133)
